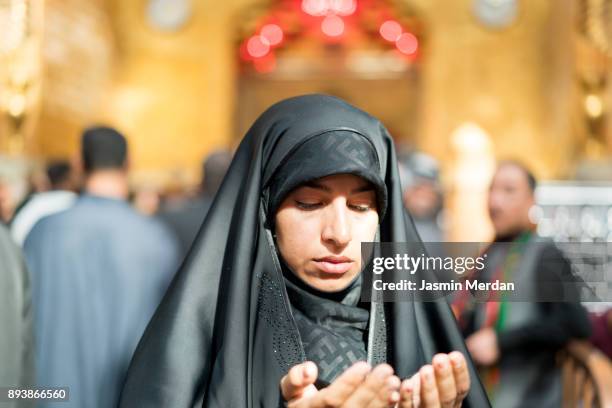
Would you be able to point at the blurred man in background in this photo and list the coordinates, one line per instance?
(16, 341)
(5, 207)
(420, 179)
(14, 187)
(99, 271)
(515, 343)
(61, 195)
(185, 218)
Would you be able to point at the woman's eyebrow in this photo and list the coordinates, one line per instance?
(363, 189)
(316, 186)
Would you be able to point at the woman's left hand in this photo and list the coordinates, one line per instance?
(442, 384)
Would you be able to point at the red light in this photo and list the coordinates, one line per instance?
(244, 53)
(332, 26)
(315, 7)
(258, 46)
(273, 33)
(266, 64)
(391, 30)
(407, 43)
(323, 7)
(342, 7)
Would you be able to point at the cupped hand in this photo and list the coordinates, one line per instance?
(359, 386)
(443, 384)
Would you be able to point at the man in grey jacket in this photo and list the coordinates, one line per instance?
(16, 341)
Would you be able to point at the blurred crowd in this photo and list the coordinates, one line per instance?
(85, 261)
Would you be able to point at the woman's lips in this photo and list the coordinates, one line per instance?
(334, 265)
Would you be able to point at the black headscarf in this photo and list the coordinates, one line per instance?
(324, 154)
(225, 332)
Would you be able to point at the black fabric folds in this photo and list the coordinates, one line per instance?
(225, 334)
(333, 331)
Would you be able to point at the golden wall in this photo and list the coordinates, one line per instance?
(516, 83)
(495, 93)
(483, 93)
(173, 93)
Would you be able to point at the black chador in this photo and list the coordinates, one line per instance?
(233, 322)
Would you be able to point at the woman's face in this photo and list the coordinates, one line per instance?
(320, 227)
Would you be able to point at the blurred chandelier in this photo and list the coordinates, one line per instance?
(333, 23)
(598, 24)
(21, 21)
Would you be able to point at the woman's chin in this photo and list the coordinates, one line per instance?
(331, 282)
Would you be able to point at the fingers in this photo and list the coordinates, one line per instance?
(389, 395)
(297, 379)
(447, 392)
(379, 390)
(416, 396)
(429, 388)
(461, 375)
(343, 387)
(410, 392)
(442, 385)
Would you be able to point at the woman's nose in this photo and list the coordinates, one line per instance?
(337, 227)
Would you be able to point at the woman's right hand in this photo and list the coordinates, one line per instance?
(359, 386)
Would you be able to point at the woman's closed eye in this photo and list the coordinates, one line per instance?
(360, 207)
(313, 205)
(308, 205)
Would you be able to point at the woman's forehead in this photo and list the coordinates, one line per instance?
(351, 182)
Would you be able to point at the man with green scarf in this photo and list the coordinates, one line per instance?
(515, 343)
